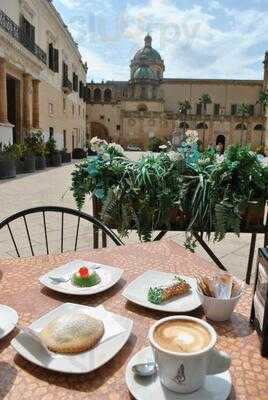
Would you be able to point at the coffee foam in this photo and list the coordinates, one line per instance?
(182, 336)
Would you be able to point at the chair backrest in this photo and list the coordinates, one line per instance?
(43, 230)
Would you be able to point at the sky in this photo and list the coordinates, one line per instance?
(197, 39)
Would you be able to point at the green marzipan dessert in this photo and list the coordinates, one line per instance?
(90, 280)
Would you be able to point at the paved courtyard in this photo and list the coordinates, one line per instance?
(51, 187)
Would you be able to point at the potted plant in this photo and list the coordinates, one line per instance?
(65, 156)
(79, 154)
(35, 142)
(25, 160)
(7, 161)
(53, 155)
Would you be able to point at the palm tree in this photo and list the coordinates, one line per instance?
(263, 101)
(204, 100)
(183, 109)
(244, 111)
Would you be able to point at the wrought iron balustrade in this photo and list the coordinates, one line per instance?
(15, 31)
(67, 85)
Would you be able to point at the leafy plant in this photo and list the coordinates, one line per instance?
(183, 109)
(145, 195)
(154, 143)
(7, 151)
(204, 100)
(51, 146)
(35, 143)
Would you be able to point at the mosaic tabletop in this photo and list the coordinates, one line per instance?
(20, 289)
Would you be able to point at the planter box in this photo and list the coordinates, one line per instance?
(66, 157)
(79, 154)
(254, 214)
(40, 162)
(25, 166)
(55, 160)
(7, 168)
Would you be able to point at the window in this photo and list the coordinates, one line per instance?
(233, 109)
(107, 95)
(118, 127)
(97, 95)
(64, 104)
(108, 119)
(53, 58)
(81, 90)
(143, 92)
(199, 109)
(251, 110)
(73, 109)
(79, 110)
(75, 82)
(216, 109)
(88, 95)
(50, 108)
(51, 132)
(64, 71)
(101, 116)
(27, 32)
(64, 139)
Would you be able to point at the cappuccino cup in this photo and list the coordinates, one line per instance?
(183, 349)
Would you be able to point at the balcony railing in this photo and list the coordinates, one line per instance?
(67, 86)
(15, 31)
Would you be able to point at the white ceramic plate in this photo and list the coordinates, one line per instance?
(109, 277)
(78, 363)
(217, 387)
(8, 320)
(137, 292)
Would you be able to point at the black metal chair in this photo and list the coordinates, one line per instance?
(62, 211)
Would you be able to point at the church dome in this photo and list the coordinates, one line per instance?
(144, 72)
(147, 53)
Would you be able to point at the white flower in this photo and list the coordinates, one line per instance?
(174, 156)
(98, 145)
(116, 147)
(191, 137)
(162, 147)
(219, 158)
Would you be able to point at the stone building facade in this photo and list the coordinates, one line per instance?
(130, 112)
(42, 76)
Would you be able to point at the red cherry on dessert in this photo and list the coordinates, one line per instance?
(83, 271)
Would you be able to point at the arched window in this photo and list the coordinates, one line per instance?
(241, 127)
(107, 95)
(220, 139)
(201, 125)
(258, 127)
(143, 92)
(97, 95)
(184, 125)
(142, 107)
(88, 95)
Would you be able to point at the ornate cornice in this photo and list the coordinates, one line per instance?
(243, 82)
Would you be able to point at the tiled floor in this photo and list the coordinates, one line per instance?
(51, 187)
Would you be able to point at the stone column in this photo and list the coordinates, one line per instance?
(27, 88)
(265, 139)
(36, 103)
(3, 92)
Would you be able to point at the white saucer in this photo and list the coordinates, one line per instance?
(109, 277)
(217, 387)
(8, 320)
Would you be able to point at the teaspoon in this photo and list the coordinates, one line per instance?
(145, 369)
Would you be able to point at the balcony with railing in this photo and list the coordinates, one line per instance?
(15, 31)
(67, 86)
